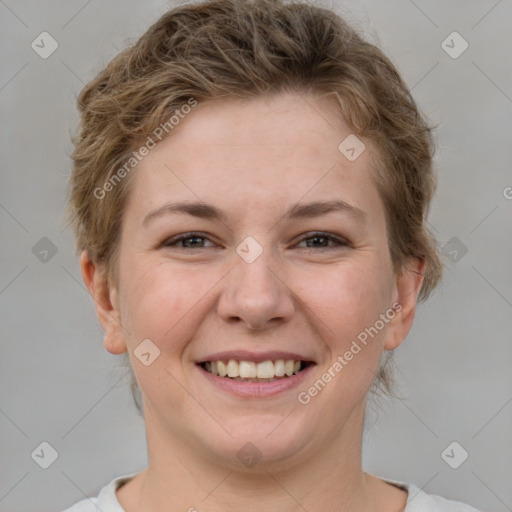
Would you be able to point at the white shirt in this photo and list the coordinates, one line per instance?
(417, 500)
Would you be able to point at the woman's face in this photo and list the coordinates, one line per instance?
(290, 261)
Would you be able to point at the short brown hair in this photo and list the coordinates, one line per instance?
(226, 49)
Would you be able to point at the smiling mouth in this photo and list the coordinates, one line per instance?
(251, 371)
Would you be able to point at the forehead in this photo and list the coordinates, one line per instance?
(255, 153)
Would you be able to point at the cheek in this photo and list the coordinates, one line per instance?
(162, 303)
(152, 299)
(347, 298)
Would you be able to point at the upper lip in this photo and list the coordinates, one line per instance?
(245, 355)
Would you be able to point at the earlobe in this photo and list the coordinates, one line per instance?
(408, 286)
(114, 342)
(105, 303)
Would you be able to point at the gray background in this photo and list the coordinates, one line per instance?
(59, 385)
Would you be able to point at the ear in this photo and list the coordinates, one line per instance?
(408, 286)
(106, 303)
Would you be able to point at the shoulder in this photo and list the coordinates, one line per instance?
(106, 501)
(419, 501)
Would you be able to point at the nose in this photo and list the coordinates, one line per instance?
(256, 294)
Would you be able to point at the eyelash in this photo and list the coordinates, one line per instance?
(338, 241)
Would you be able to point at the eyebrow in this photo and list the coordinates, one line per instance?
(297, 211)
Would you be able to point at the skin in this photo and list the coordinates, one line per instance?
(254, 160)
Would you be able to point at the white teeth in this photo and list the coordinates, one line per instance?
(233, 368)
(240, 370)
(247, 369)
(221, 367)
(279, 368)
(265, 370)
(288, 367)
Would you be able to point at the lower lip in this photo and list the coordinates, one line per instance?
(256, 389)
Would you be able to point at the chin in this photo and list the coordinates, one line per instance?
(263, 443)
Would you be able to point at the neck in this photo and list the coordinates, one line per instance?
(330, 478)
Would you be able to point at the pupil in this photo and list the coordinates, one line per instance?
(196, 239)
(316, 238)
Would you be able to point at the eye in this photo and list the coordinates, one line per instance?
(313, 241)
(188, 241)
(321, 241)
